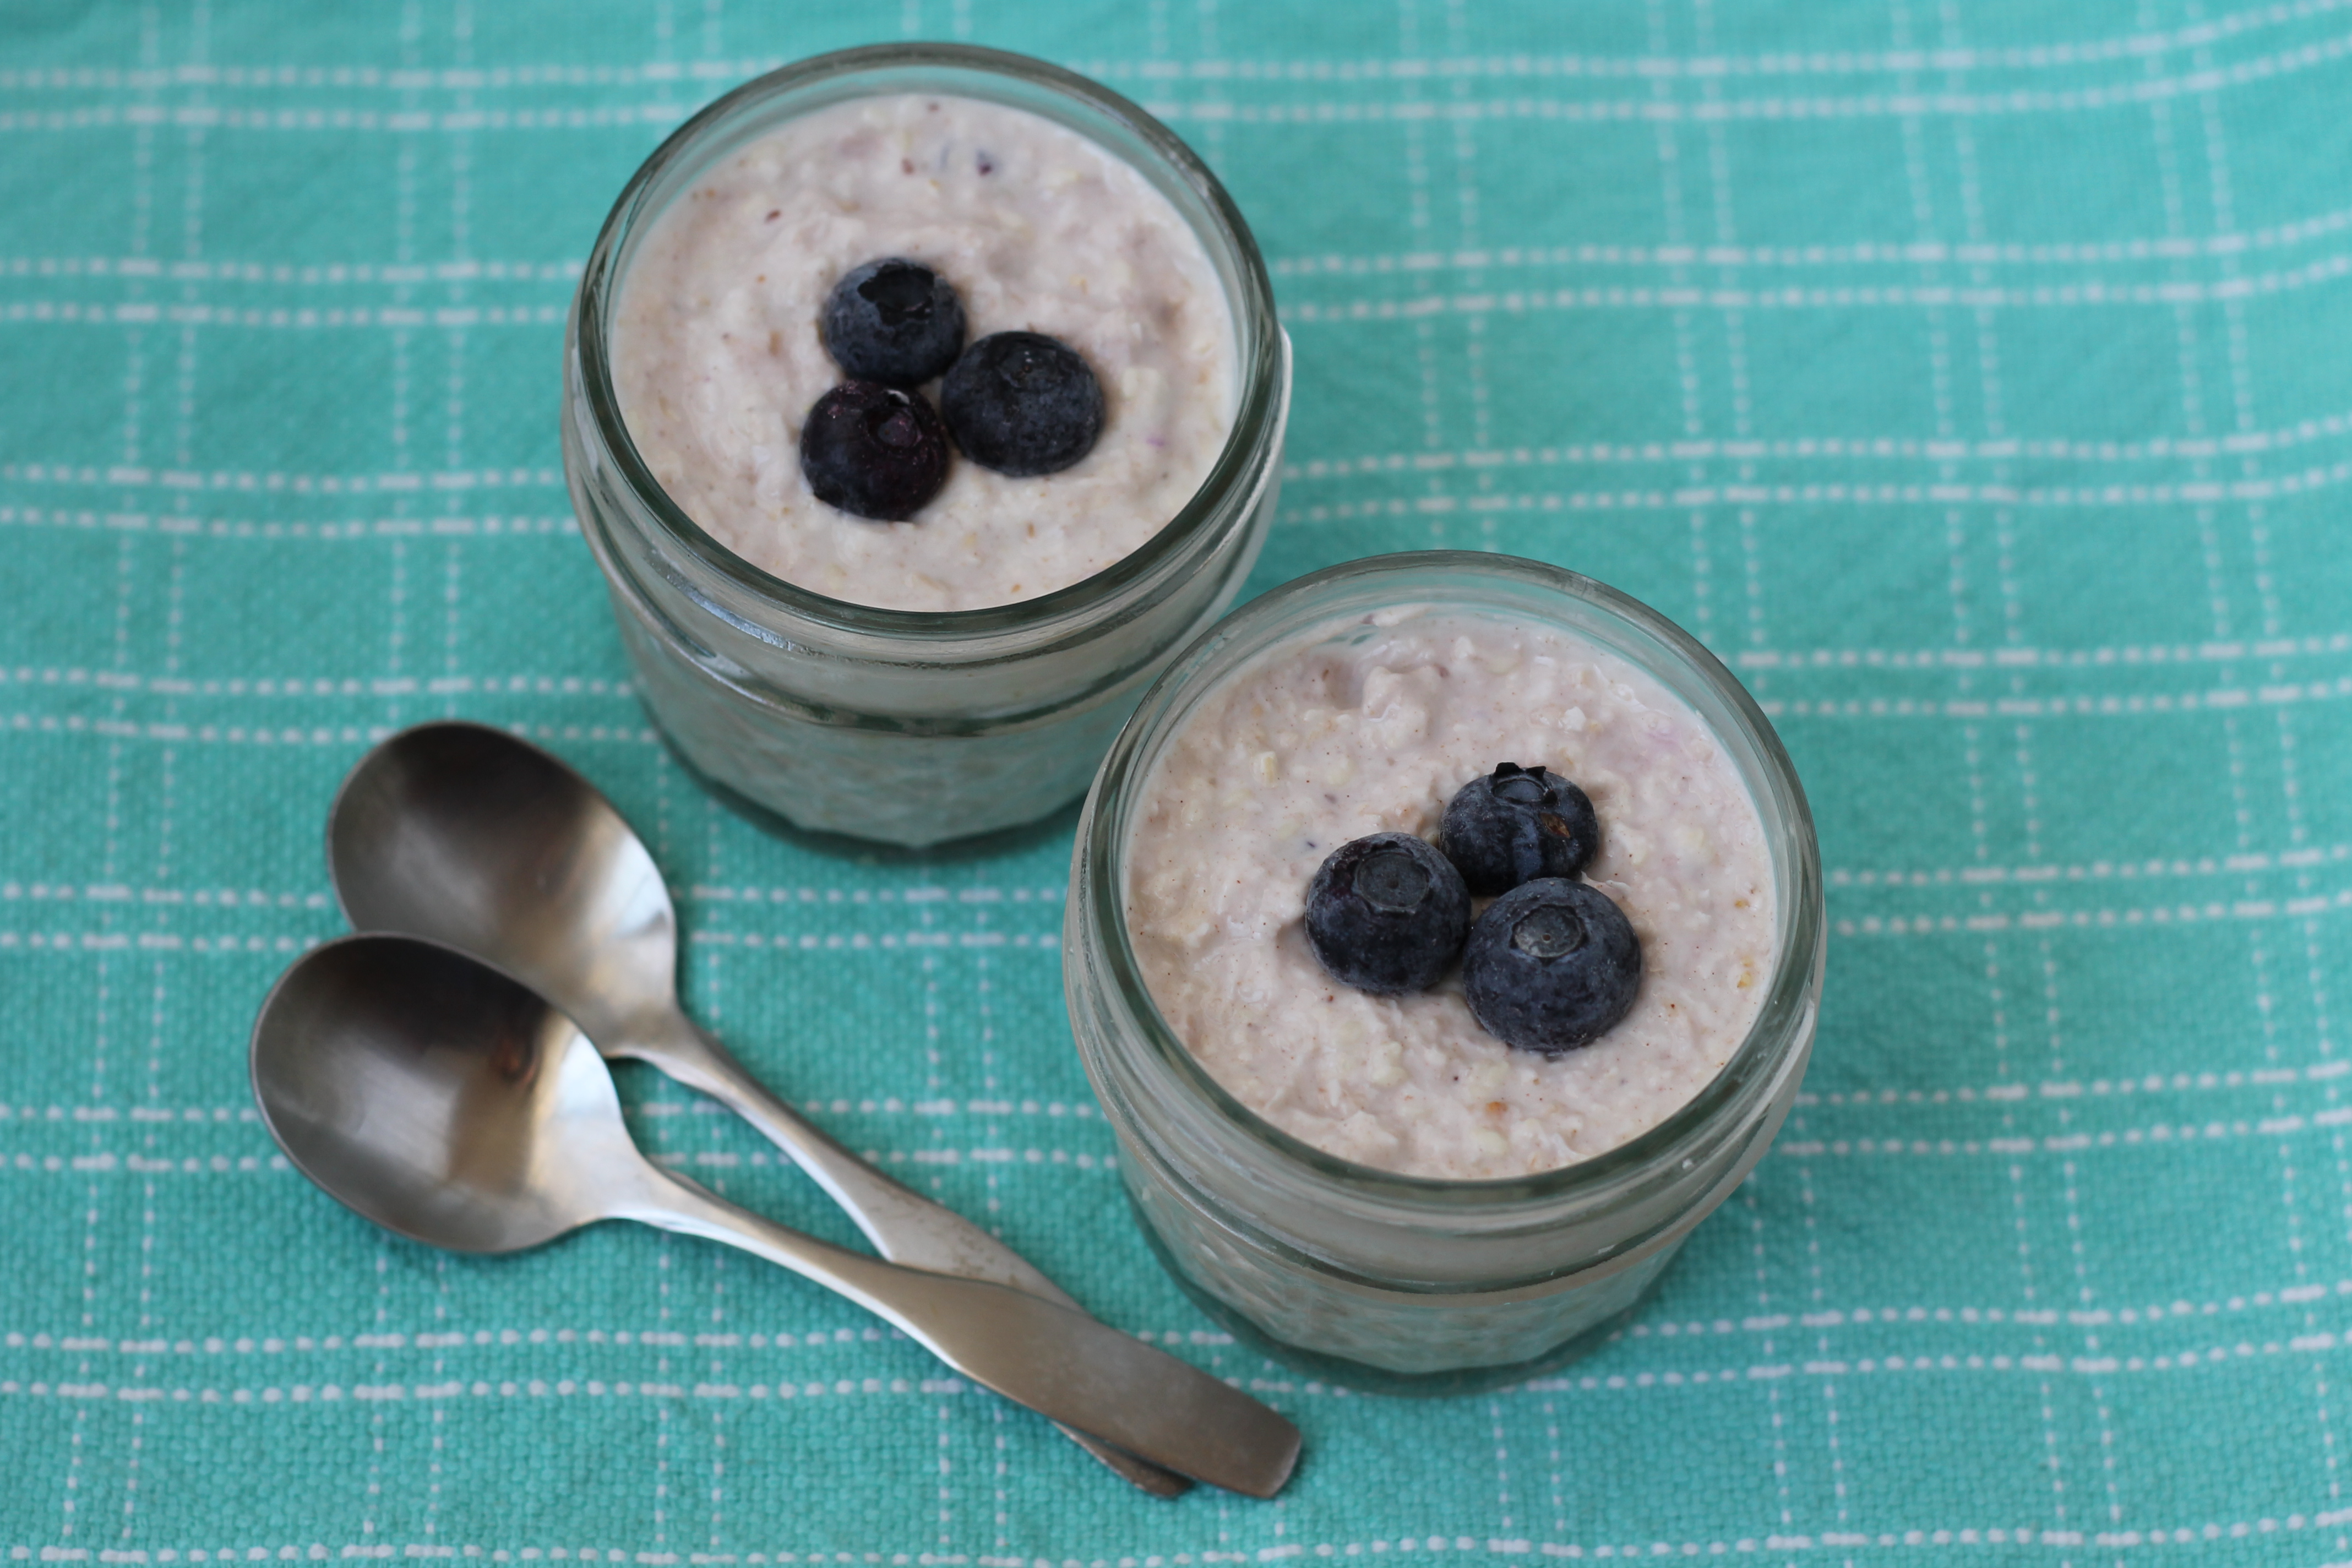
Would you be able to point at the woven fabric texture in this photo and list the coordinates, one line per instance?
(1975, 376)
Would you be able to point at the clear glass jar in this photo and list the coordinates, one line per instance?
(1405, 1283)
(906, 726)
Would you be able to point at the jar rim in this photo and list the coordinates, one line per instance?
(1257, 413)
(1775, 1033)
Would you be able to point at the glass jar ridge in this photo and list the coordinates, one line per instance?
(1379, 1280)
(905, 726)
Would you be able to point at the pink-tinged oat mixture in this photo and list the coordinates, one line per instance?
(717, 358)
(1370, 726)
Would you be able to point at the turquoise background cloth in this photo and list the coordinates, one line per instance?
(1975, 376)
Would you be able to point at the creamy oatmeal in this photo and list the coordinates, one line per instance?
(716, 357)
(1370, 726)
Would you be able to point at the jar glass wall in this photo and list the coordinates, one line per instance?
(1384, 1281)
(909, 726)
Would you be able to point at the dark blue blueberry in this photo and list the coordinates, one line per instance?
(1515, 824)
(1551, 965)
(874, 451)
(1022, 403)
(1387, 914)
(895, 322)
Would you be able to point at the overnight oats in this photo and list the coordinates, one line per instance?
(921, 402)
(1017, 224)
(1444, 945)
(1372, 726)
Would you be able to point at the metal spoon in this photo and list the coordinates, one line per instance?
(467, 836)
(448, 1103)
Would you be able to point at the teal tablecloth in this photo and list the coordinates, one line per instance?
(1976, 377)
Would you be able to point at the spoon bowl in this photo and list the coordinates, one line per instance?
(464, 835)
(437, 1096)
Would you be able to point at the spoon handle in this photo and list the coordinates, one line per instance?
(1053, 1359)
(904, 1225)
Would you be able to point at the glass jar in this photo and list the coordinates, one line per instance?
(908, 726)
(1406, 1283)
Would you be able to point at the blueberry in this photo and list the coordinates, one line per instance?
(1551, 965)
(1022, 403)
(874, 451)
(1517, 824)
(894, 320)
(1387, 914)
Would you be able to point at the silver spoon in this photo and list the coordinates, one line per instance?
(448, 1103)
(467, 836)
